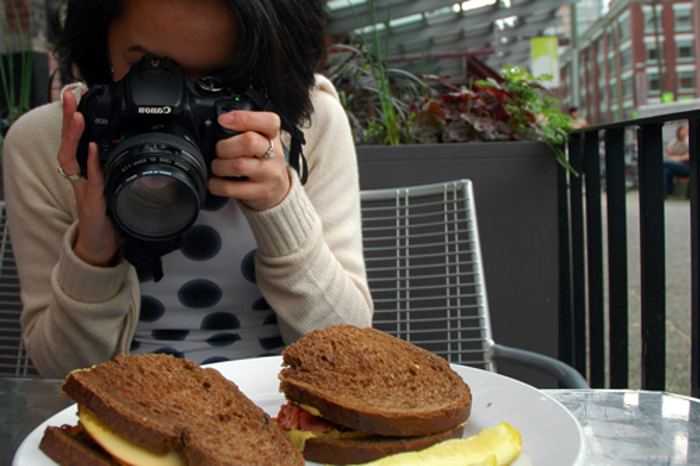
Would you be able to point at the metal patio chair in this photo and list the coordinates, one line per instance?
(425, 273)
(14, 360)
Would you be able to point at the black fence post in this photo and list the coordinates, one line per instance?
(618, 298)
(594, 256)
(694, 150)
(578, 261)
(566, 325)
(653, 256)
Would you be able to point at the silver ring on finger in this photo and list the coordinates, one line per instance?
(68, 177)
(270, 154)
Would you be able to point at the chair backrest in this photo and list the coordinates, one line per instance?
(14, 360)
(425, 271)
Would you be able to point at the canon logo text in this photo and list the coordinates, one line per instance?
(155, 110)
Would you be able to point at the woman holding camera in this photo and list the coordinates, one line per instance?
(267, 259)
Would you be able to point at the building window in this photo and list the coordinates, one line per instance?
(654, 84)
(649, 19)
(624, 28)
(684, 51)
(626, 58)
(627, 88)
(686, 81)
(684, 20)
(652, 53)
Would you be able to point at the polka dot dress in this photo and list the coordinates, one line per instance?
(207, 308)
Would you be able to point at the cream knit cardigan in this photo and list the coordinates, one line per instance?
(310, 266)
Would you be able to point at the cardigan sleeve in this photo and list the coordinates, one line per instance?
(310, 264)
(74, 315)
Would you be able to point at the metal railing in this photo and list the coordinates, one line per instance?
(14, 360)
(586, 251)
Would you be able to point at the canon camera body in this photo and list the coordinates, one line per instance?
(156, 134)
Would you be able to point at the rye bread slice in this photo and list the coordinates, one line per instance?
(373, 382)
(366, 449)
(72, 445)
(161, 403)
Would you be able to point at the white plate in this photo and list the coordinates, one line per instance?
(551, 435)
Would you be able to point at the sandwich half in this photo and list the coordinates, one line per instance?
(157, 409)
(358, 394)
(73, 445)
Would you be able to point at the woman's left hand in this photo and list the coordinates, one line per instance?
(268, 181)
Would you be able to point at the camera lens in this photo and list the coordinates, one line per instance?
(155, 206)
(155, 185)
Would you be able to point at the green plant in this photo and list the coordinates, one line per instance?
(516, 109)
(378, 99)
(17, 96)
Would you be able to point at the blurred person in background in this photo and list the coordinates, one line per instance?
(676, 159)
(579, 121)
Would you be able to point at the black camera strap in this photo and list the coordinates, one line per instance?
(145, 256)
(296, 155)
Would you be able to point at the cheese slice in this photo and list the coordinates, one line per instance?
(310, 409)
(299, 437)
(122, 449)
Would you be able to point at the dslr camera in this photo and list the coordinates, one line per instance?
(156, 132)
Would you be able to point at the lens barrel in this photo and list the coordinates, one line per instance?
(155, 185)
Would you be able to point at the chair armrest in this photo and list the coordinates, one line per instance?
(550, 366)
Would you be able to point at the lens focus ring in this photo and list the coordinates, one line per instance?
(168, 141)
(155, 184)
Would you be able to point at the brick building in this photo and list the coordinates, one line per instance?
(637, 54)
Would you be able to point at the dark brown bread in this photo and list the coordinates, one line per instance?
(72, 445)
(363, 450)
(370, 381)
(161, 403)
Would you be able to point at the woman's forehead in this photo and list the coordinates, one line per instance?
(199, 34)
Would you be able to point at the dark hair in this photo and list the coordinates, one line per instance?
(280, 45)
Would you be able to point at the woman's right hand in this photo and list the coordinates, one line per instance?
(98, 241)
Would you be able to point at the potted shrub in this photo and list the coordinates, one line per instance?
(390, 106)
(380, 102)
(517, 108)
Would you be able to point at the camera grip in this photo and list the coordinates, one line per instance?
(97, 116)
